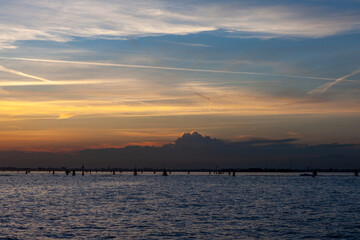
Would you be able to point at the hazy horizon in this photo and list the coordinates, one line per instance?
(194, 151)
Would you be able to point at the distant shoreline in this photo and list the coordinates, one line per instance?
(216, 171)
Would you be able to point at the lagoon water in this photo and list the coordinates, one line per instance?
(180, 206)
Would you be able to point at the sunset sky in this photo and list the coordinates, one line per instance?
(97, 74)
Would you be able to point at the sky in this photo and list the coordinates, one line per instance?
(89, 74)
(197, 152)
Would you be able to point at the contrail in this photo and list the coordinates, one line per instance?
(163, 68)
(323, 88)
(3, 69)
(82, 82)
(206, 98)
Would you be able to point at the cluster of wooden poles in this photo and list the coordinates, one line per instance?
(135, 173)
(165, 172)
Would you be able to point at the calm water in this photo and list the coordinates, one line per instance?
(180, 206)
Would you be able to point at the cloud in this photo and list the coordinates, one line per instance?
(66, 115)
(141, 98)
(185, 43)
(194, 138)
(192, 150)
(64, 20)
(326, 86)
(4, 92)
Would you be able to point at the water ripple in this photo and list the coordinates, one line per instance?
(102, 206)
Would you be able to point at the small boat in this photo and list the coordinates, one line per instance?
(305, 174)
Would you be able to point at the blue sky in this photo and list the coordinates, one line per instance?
(143, 72)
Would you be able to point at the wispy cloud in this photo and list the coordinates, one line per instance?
(188, 44)
(326, 86)
(64, 20)
(66, 115)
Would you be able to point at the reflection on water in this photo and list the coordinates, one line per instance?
(181, 206)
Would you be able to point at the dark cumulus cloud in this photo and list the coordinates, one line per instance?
(195, 151)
